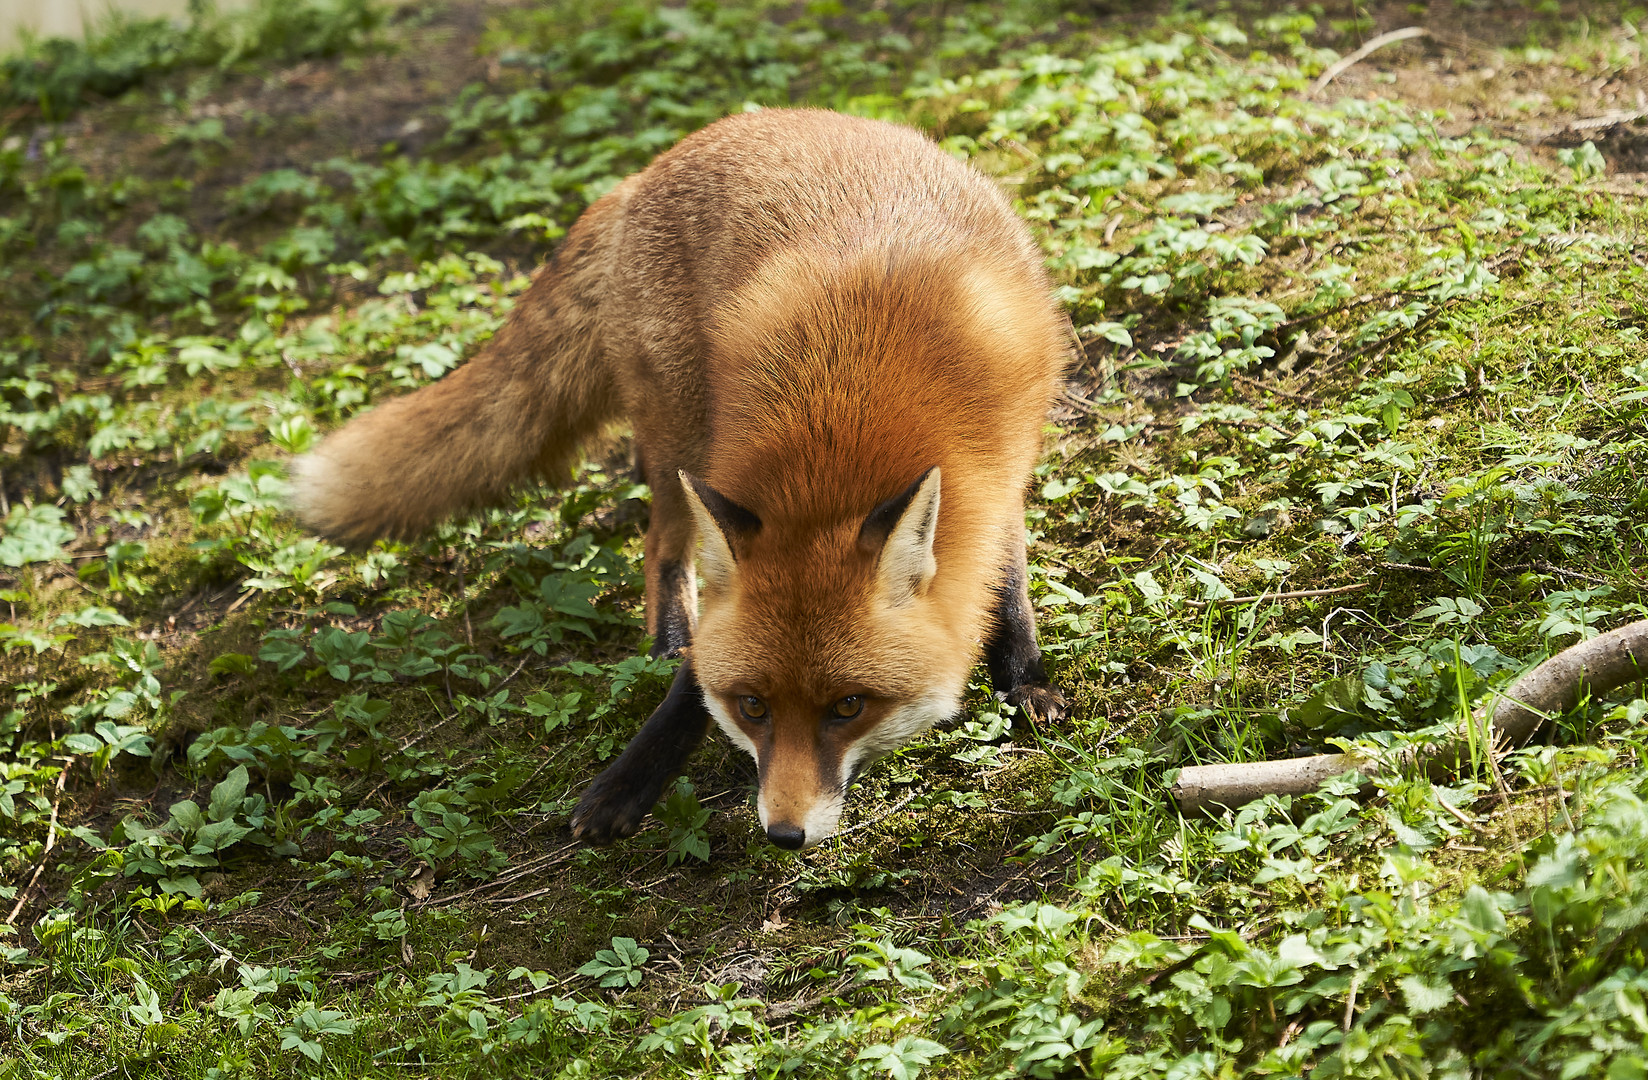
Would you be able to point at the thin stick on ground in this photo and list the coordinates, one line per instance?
(1297, 594)
(45, 854)
(1598, 666)
(1345, 63)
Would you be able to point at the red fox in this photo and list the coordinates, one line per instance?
(836, 347)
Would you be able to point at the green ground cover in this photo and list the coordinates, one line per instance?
(273, 809)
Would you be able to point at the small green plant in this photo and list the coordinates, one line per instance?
(619, 966)
(685, 819)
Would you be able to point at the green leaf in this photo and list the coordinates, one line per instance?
(186, 815)
(1425, 995)
(232, 663)
(227, 794)
(1481, 912)
(904, 1059)
(283, 648)
(1334, 703)
(213, 838)
(33, 534)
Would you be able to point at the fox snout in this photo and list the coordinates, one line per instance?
(799, 811)
(802, 777)
(807, 757)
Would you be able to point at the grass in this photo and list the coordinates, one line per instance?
(306, 809)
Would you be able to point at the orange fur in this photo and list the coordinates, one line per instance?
(807, 311)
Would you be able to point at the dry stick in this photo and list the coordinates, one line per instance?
(413, 741)
(1611, 118)
(51, 842)
(1457, 814)
(1336, 362)
(1344, 64)
(1349, 305)
(882, 816)
(1300, 594)
(463, 598)
(1309, 399)
(1601, 665)
(513, 874)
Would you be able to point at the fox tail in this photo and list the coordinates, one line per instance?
(518, 411)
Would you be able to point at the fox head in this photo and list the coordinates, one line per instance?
(821, 646)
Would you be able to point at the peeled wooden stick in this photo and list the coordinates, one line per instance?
(1602, 664)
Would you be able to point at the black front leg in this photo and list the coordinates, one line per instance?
(1012, 655)
(615, 804)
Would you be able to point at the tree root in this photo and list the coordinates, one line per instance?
(1504, 722)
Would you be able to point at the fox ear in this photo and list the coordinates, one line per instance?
(902, 530)
(722, 525)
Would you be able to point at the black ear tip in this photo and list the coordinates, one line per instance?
(879, 525)
(735, 520)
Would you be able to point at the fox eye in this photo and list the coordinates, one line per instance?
(847, 707)
(752, 707)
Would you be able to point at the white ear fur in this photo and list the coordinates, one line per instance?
(715, 559)
(907, 565)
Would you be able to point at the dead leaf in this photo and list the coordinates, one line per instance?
(421, 883)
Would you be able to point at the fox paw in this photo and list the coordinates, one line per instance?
(1039, 701)
(610, 809)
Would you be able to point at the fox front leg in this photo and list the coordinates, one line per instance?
(1012, 655)
(621, 797)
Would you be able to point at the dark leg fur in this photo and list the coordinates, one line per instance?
(674, 621)
(622, 796)
(1011, 654)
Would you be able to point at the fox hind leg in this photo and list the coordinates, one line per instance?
(1012, 655)
(672, 593)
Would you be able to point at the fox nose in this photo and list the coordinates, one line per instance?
(786, 835)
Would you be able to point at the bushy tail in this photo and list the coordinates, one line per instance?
(516, 412)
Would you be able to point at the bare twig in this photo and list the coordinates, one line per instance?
(1611, 118)
(1299, 594)
(45, 854)
(882, 816)
(1309, 399)
(1317, 316)
(1458, 815)
(1336, 363)
(463, 598)
(1373, 45)
(532, 866)
(415, 740)
(507, 679)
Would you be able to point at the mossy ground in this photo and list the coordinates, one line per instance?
(1385, 340)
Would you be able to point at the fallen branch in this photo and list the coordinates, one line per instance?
(1344, 64)
(1598, 666)
(1609, 119)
